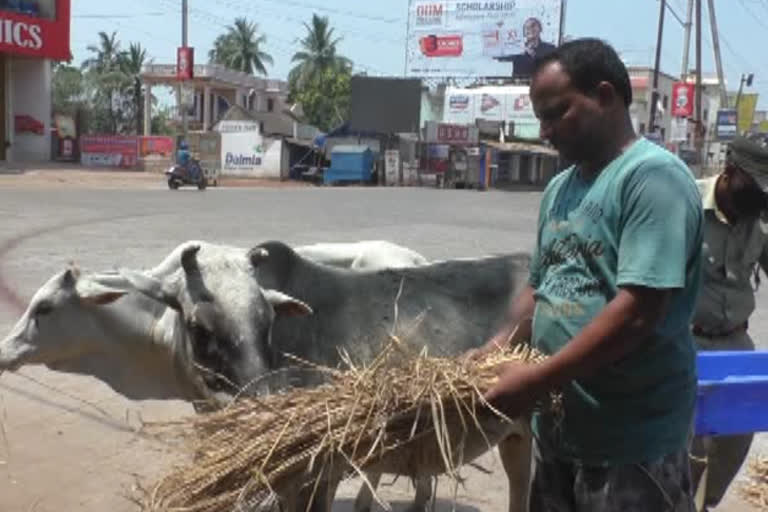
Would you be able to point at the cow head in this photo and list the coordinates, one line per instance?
(52, 328)
(227, 316)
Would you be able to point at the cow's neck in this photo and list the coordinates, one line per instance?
(140, 361)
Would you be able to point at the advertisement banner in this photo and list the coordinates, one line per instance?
(678, 131)
(248, 154)
(683, 96)
(109, 151)
(392, 166)
(451, 38)
(726, 127)
(185, 63)
(25, 34)
(511, 104)
(156, 145)
(746, 111)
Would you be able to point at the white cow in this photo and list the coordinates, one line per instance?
(93, 324)
(363, 255)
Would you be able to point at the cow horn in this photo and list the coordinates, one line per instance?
(189, 259)
(257, 255)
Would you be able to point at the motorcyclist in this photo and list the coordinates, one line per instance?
(183, 157)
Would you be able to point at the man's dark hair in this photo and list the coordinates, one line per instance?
(588, 62)
(746, 193)
(535, 20)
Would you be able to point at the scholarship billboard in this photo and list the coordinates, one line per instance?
(452, 38)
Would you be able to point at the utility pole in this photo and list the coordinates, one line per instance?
(687, 41)
(655, 94)
(718, 62)
(184, 40)
(699, 142)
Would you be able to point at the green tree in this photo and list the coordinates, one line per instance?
(131, 63)
(240, 48)
(68, 89)
(324, 98)
(106, 80)
(317, 54)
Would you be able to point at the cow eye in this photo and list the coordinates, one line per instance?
(43, 308)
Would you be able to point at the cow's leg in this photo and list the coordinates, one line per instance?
(515, 452)
(364, 500)
(423, 497)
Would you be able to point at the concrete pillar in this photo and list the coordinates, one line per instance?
(147, 109)
(206, 109)
(240, 98)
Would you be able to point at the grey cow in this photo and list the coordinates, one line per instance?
(137, 345)
(460, 304)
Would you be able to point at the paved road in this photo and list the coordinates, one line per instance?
(66, 441)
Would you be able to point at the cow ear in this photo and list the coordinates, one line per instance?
(286, 305)
(92, 293)
(152, 288)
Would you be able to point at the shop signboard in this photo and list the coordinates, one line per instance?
(24, 33)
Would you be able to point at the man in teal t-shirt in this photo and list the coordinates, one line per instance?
(614, 278)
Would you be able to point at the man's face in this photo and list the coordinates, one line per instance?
(531, 30)
(571, 120)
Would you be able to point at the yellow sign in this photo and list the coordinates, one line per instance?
(746, 111)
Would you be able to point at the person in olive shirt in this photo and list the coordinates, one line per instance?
(735, 248)
(613, 281)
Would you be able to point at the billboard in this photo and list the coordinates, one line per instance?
(726, 127)
(450, 38)
(510, 104)
(109, 151)
(396, 108)
(746, 111)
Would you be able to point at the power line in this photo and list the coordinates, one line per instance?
(113, 16)
(753, 15)
(341, 12)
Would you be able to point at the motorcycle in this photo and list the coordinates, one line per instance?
(192, 174)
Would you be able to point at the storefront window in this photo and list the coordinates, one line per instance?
(37, 8)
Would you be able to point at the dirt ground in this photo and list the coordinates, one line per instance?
(68, 443)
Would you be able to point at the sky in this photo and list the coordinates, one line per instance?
(373, 32)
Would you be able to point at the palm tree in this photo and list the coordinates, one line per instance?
(318, 52)
(104, 71)
(240, 48)
(106, 54)
(131, 64)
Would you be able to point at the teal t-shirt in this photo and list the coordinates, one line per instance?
(638, 222)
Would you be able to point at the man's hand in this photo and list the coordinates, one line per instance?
(507, 337)
(516, 391)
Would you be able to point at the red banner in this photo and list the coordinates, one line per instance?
(156, 145)
(109, 150)
(22, 34)
(185, 63)
(683, 99)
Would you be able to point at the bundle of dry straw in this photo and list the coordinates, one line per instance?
(405, 407)
(755, 490)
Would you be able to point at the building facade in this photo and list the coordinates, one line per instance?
(33, 34)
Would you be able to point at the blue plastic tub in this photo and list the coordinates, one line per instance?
(732, 392)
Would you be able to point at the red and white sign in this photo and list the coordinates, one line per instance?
(109, 151)
(442, 46)
(21, 34)
(185, 63)
(682, 99)
(447, 133)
